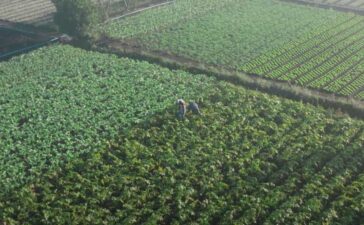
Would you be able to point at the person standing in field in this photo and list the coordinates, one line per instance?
(194, 108)
(181, 109)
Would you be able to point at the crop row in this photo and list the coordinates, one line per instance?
(340, 70)
(277, 57)
(243, 32)
(361, 95)
(288, 70)
(350, 80)
(297, 171)
(340, 209)
(355, 83)
(338, 60)
(315, 50)
(316, 186)
(249, 158)
(329, 60)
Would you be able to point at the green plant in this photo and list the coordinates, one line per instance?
(248, 159)
(320, 49)
(76, 17)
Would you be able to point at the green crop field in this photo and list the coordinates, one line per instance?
(95, 140)
(311, 47)
(49, 116)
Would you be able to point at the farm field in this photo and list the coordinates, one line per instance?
(96, 140)
(49, 116)
(319, 49)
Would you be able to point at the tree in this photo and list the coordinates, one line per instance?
(76, 17)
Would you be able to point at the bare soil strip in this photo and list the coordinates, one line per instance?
(349, 105)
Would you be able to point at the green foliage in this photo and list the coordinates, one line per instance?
(49, 116)
(76, 17)
(246, 29)
(249, 159)
(330, 58)
(320, 49)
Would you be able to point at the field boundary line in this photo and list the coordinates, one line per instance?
(327, 5)
(138, 11)
(347, 104)
(167, 26)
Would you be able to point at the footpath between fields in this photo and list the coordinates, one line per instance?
(339, 104)
(329, 5)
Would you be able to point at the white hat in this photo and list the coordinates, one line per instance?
(180, 101)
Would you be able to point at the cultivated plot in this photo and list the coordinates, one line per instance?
(316, 48)
(59, 102)
(330, 59)
(250, 158)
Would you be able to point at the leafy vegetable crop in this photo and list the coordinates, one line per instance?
(249, 159)
(307, 46)
(331, 59)
(60, 102)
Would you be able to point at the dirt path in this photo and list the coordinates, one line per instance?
(327, 5)
(132, 49)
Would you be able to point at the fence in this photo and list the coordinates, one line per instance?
(113, 8)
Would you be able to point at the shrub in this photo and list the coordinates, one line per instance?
(76, 17)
